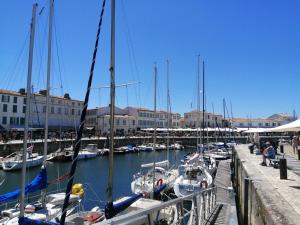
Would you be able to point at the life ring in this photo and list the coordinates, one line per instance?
(77, 189)
(159, 182)
(205, 184)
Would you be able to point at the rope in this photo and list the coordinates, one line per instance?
(82, 121)
(65, 176)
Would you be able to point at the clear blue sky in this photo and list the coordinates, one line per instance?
(251, 50)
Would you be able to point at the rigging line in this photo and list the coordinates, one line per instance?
(133, 53)
(82, 121)
(13, 66)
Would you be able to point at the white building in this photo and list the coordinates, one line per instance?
(64, 112)
(99, 118)
(194, 119)
(146, 118)
(256, 123)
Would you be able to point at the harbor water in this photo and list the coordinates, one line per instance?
(93, 173)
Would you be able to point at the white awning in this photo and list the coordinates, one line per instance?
(293, 126)
(257, 130)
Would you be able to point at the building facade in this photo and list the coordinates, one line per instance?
(99, 118)
(64, 112)
(256, 123)
(146, 118)
(194, 119)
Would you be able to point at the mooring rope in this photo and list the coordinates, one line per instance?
(82, 121)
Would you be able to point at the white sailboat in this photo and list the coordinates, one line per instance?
(15, 163)
(157, 178)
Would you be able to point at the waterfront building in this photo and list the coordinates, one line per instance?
(194, 119)
(64, 112)
(99, 119)
(146, 118)
(256, 123)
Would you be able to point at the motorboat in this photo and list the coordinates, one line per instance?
(62, 155)
(176, 146)
(92, 148)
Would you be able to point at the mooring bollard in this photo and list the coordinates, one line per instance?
(283, 169)
(281, 149)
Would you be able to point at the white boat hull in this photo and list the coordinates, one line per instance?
(10, 165)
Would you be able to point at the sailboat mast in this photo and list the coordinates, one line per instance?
(203, 104)
(168, 111)
(24, 154)
(48, 78)
(155, 124)
(224, 122)
(198, 101)
(112, 102)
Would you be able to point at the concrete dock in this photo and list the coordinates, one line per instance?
(262, 197)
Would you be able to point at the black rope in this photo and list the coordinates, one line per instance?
(82, 121)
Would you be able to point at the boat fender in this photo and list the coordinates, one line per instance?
(77, 189)
(205, 184)
(159, 182)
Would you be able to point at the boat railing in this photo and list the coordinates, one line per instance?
(194, 209)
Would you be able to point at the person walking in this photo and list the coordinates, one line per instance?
(295, 143)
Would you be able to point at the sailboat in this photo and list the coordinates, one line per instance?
(194, 173)
(49, 207)
(158, 177)
(15, 163)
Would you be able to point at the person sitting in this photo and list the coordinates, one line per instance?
(268, 153)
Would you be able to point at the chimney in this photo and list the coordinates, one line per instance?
(67, 96)
(22, 91)
(43, 92)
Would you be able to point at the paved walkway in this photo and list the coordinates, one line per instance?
(284, 194)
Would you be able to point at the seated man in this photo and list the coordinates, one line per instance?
(268, 153)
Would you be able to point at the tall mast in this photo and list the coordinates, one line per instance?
(203, 104)
(224, 123)
(112, 102)
(24, 154)
(198, 101)
(48, 78)
(213, 108)
(155, 124)
(168, 111)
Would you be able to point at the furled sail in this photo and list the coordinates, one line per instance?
(112, 209)
(38, 183)
(27, 221)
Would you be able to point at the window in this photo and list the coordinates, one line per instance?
(24, 101)
(59, 110)
(52, 100)
(124, 122)
(44, 109)
(52, 110)
(118, 122)
(4, 120)
(78, 112)
(72, 112)
(5, 98)
(59, 101)
(24, 109)
(73, 103)
(22, 120)
(66, 111)
(4, 107)
(267, 124)
(15, 108)
(133, 122)
(15, 99)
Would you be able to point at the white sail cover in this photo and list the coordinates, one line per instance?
(293, 126)
(257, 130)
(161, 163)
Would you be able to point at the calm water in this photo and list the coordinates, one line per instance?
(93, 173)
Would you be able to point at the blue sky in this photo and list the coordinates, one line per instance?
(251, 51)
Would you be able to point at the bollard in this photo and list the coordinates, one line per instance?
(298, 153)
(281, 149)
(283, 169)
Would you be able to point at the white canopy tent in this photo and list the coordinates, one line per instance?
(293, 126)
(257, 130)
